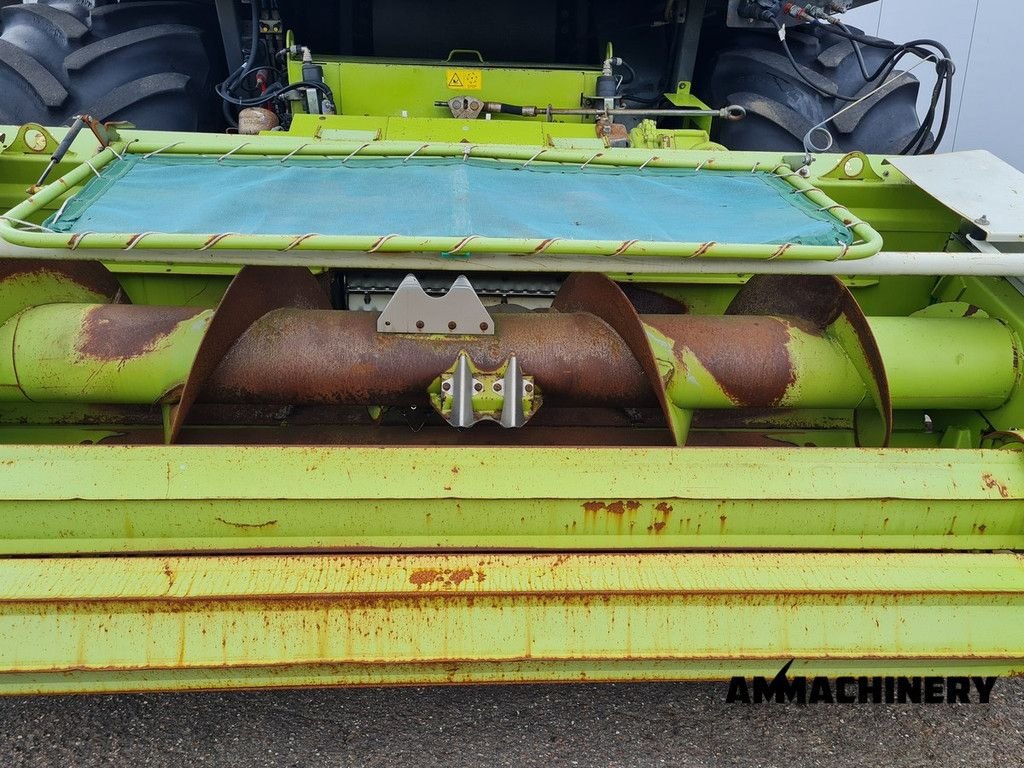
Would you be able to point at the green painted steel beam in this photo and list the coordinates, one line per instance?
(74, 500)
(67, 473)
(168, 622)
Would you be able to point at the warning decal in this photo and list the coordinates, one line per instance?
(464, 79)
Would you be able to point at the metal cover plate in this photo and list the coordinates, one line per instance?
(979, 186)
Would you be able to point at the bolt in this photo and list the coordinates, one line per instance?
(451, 325)
(446, 386)
(478, 387)
(528, 387)
(497, 386)
(419, 325)
(484, 326)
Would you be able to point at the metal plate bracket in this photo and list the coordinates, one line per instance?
(459, 312)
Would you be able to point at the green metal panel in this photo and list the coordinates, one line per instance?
(126, 624)
(74, 499)
(409, 89)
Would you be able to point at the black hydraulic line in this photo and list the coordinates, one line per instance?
(945, 70)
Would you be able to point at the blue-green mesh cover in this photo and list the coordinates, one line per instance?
(445, 198)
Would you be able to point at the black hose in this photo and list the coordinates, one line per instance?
(274, 92)
(236, 77)
(945, 69)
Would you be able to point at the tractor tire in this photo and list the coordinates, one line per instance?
(145, 62)
(752, 70)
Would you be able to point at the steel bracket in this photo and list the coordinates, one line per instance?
(465, 395)
(465, 107)
(459, 312)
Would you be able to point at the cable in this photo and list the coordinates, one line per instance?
(274, 92)
(857, 51)
(799, 70)
(235, 77)
(945, 70)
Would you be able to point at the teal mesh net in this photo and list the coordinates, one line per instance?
(445, 198)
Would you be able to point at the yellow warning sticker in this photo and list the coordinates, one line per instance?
(464, 79)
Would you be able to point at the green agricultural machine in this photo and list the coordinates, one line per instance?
(373, 342)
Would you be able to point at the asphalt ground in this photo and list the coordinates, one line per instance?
(529, 725)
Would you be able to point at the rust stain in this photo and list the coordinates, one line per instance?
(748, 356)
(632, 505)
(991, 483)
(92, 277)
(422, 576)
(593, 507)
(664, 507)
(659, 526)
(117, 332)
(616, 508)
(267, 524)
(444, 576)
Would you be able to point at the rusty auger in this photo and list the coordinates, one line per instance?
(784, 343)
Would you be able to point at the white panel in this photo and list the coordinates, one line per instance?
(992, 111)
(951, 22)
(866, 17)
(977, 185)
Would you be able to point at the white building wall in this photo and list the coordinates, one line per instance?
(986, 39)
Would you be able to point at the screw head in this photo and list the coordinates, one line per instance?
(420, 324)
(478, 387)
(528, 387)
(446, 386)
(451, 325)
(484, 326)
(497, 386)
